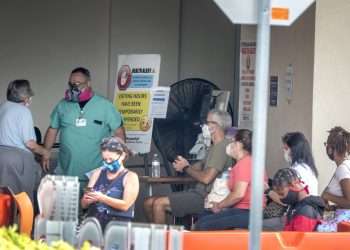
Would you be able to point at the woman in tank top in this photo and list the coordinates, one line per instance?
(337, 192)
(112, 189)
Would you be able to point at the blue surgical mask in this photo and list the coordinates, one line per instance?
(113, 166)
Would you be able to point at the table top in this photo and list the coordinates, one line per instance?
(166, 179)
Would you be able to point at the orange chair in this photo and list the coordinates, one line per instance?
(16, 209)
(25, 212)
(5, 209)
(232, 240)
(8, 206)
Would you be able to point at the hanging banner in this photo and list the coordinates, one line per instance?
(273, 91)
(246, 84)
(136, 76)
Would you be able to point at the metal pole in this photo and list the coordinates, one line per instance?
(259, 122)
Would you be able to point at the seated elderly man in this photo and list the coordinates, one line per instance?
(205, 172)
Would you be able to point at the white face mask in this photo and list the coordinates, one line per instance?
(206, 131)
(286, 155)
(29, 102)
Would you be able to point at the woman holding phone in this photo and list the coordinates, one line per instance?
(112, 189)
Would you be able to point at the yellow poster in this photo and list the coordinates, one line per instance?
(136, 77)
(134, 107)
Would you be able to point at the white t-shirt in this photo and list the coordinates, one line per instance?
(342, 172)
(307, 176)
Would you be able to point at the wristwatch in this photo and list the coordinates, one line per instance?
(185, 167)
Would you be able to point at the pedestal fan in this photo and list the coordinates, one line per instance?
(189, 103)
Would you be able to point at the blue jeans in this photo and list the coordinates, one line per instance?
(228, 219)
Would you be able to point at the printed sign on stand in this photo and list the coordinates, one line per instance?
(159, 102)
(136, 76)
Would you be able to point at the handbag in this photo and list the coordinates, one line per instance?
(219, 191)
(273, 209)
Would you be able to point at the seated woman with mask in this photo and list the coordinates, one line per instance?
(298, 155)
(337, 192)
(112, 189)
(233, 211)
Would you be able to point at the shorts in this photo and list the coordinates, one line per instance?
(187, 202)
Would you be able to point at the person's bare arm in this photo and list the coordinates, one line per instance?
(131, 190)
(233, 198)
(180, 163)
(38, 149)
(205, 176)
(275, 197)
(49, 141)
(50, 137)
(86, 200)
(197, 166)
(120, 132)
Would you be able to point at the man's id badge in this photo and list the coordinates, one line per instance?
(80, 122)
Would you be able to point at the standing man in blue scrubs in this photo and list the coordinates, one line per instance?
(82, 119)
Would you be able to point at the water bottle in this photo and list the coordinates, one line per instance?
(155, 166)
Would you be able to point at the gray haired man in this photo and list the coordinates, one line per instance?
(204, 172)
(18, 169)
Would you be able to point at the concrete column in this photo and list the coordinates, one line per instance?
(331, 89)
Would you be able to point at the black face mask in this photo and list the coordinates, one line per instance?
(330, 153)
(291, 198)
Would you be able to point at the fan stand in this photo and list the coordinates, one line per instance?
(146, 165)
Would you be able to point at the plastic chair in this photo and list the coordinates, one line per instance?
(91, 231)
(26, 213)
(16, 209)
(6, 210)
